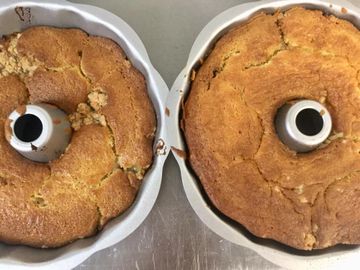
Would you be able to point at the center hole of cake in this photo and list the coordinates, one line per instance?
(309, 122)
(28, 128)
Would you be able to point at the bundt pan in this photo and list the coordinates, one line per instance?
(285, 256)
(19, 15)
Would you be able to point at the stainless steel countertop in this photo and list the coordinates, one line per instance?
(172, 237)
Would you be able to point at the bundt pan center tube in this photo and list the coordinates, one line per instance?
(43, 120)
(303, 125)
(39, 132)
(321, 114)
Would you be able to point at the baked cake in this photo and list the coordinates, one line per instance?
(97, 178)
(307, 201)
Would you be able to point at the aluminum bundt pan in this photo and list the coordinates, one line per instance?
(331, 258)
(19, 15)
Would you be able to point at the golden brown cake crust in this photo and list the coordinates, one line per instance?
(303, 200)
(98, 176)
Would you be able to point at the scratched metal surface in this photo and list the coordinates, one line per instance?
(172, 237)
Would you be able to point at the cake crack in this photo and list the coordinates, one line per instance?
(90, 113)
(259, 118)
(278, 23)
(267, 61)
(235, 51)
(216, 71)
(334, 182)
(82, 70)
(100, 216)
(315, 228)
(309, 238)
(273, 184)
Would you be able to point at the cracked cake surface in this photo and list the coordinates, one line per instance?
(113, 121)
(306, 201)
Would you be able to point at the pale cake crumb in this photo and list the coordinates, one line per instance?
(97, 99)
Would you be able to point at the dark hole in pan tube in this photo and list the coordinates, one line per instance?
(28, 128)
